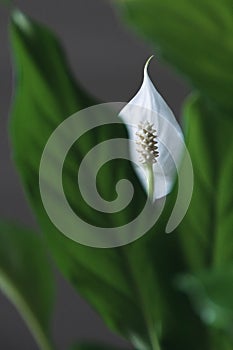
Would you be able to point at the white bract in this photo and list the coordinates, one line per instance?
(156, 150)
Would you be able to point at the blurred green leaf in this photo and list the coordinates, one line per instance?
(206, 230)
(211, 292)
(26, 279)
(193, 35)
(117, 282)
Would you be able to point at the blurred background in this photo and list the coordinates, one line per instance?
(107, 59)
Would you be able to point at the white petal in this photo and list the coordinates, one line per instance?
(148, 105)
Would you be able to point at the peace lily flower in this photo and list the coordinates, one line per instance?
(156, 149)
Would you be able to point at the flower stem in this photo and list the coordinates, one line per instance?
(150, 181)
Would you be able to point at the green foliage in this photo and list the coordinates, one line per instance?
(133, 287)
(26, 279)
(211, 292)
(193, 35)
(207, 228)
(111, 280)
(128, 285)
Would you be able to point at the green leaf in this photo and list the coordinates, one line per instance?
(117, 282)
(206, 231)
(193, 35)
(26, 279)
(211, 292)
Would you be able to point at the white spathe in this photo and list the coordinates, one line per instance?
(148, 106)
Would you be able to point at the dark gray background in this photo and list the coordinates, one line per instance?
(107, 59)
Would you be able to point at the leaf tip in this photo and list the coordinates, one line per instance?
(20, 20)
